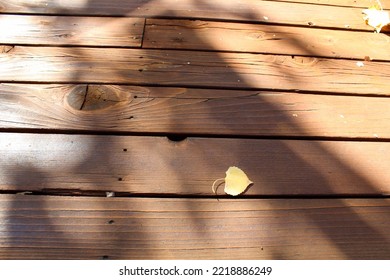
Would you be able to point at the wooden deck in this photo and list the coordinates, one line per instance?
(117, 116)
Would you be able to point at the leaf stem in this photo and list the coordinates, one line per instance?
(217, 184)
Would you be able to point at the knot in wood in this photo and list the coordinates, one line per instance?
(306, 61)
(96, 97)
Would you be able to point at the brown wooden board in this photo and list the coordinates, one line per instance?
(79, 31)
(192, 68)
(157, 165)
(281, 12)
(223, 36)
(186, 34)
(36, 227)
(157, 110)
(340, 3)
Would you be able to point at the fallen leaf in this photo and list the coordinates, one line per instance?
(376, 17)
(236, 181)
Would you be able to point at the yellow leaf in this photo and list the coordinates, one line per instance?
(236, 181)
(376, 18)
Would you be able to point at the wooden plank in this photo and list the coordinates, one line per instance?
(36, 227)
(78, 31)
(192, 68)
(341, 3)
(280, 12)
(223, 36)
(156, 165)
(156, 110)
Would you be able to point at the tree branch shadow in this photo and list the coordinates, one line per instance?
(93, 165)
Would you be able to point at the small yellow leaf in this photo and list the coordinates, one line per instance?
(236, 181)
(376, 18)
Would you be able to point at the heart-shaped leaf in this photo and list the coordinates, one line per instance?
(236, 181)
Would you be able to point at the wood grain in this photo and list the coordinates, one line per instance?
(223, 36)
(150, 123)
(156, 165)
(192, 68)
(151, 228)
(157, 110)
(280, 12)
(341, 3)
(72, 31)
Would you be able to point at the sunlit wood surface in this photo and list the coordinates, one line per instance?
(116, 117)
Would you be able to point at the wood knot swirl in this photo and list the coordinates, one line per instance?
(96, 97)
(305, 61)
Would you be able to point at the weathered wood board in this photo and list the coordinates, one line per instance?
(341, 3)
(194, 35)
(71, 31)
(157, 110)
(281, 12)
(192, 68)
(159, 166)
(272, 39)
(44, 227)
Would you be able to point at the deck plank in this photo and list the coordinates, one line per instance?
(189, 34)
(340, 3)
(72, 31)
(153, 228)
(340, 15)
(223, 36)
(159, 166)
(157, 110)
(192, 68)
